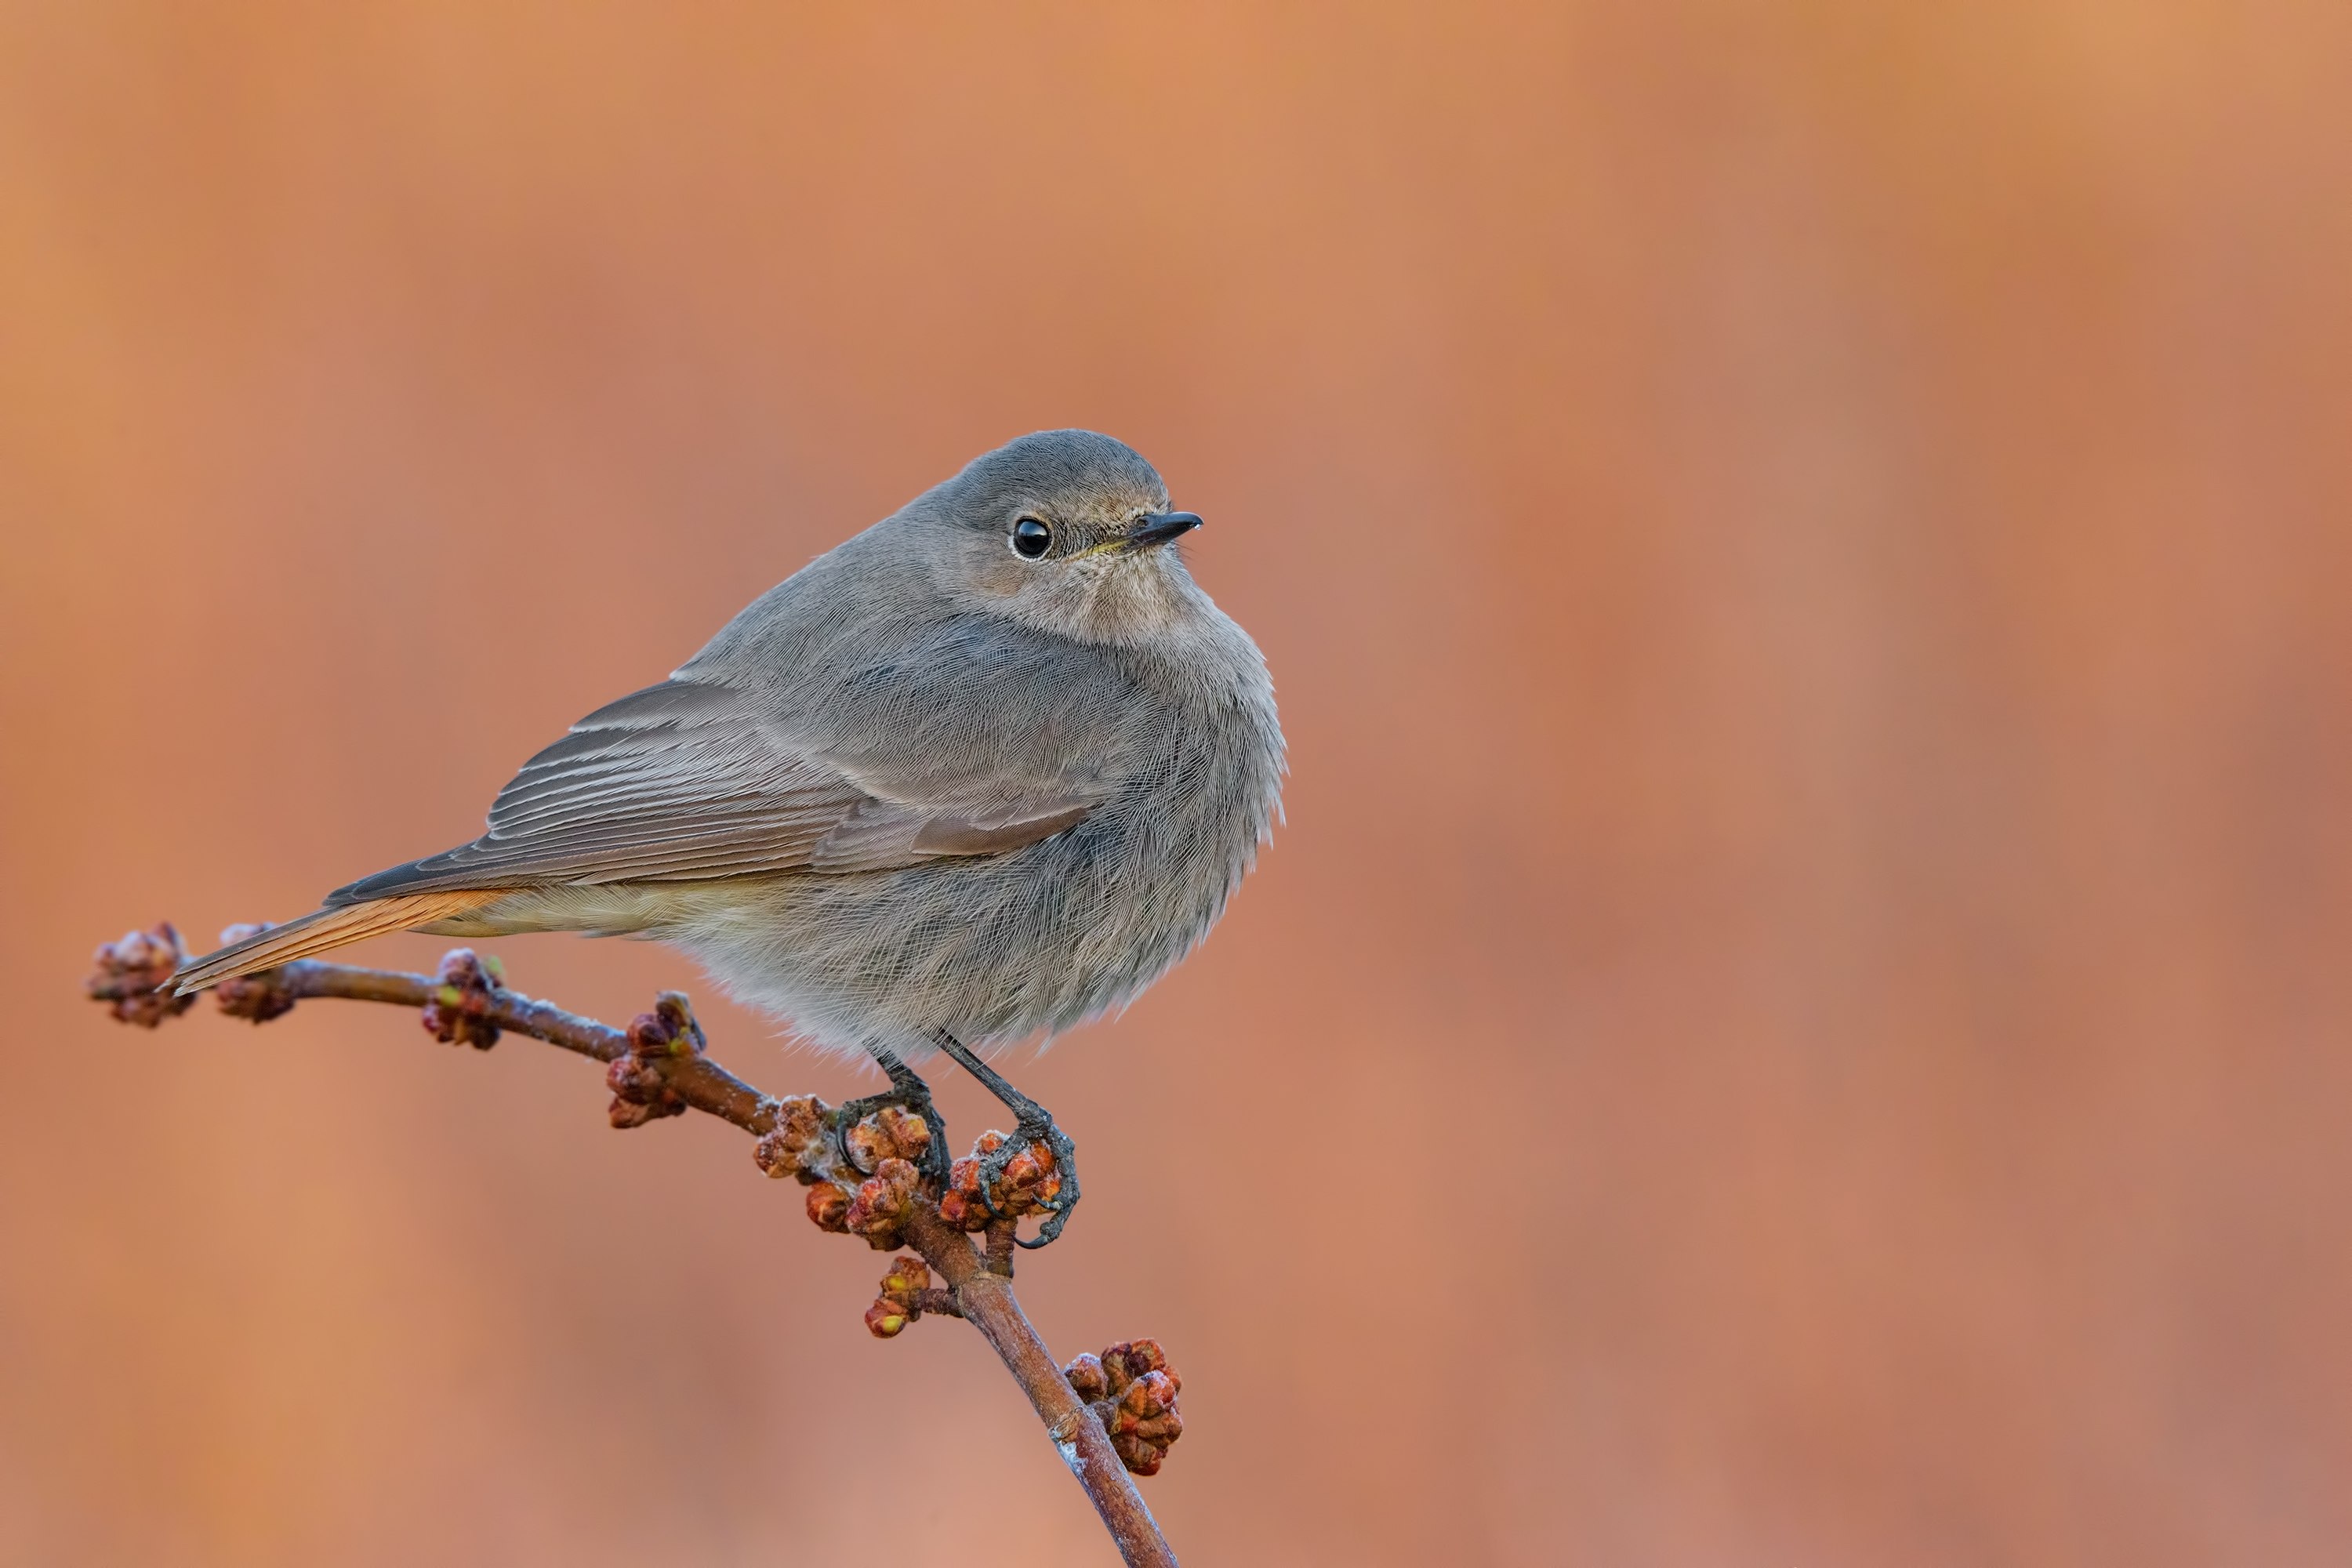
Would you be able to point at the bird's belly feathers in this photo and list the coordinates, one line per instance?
(1000, 947)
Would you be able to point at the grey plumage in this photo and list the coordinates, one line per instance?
(924, 784)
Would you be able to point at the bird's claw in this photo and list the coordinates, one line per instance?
(1033, 1128)
(914, 1097)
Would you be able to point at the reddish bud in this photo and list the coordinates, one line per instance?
(801, 1142)
(962, 1205)
(1151, 1395)
(828, 1207)
(1131, 1359)
(669, 1030)
(908, 1135)
(260, 996)
(1023, 1171)
(884, 1200)
(1086, 1376)
(1141, 1455)
(465, 992)
(889, 1133)
(1027, 1184)
(901, 1301)
(640, 1093)
(1133, 1390)
(866, 1144)
(908, 1278)
(127, 975)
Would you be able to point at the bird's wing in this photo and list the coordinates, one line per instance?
(690, 780)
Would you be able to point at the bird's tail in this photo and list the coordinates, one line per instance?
(322, 929)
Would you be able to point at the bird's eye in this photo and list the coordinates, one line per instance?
(1031, 539)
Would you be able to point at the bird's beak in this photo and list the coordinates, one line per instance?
(1154, 529)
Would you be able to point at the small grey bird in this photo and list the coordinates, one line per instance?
(987, 769)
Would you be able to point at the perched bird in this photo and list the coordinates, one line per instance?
(986, 769)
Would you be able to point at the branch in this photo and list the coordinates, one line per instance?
(1107, 1414)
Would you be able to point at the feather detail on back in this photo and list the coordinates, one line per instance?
(325, 929)
(675, 782)
(691, 781)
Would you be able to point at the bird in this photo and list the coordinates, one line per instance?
(981, 772)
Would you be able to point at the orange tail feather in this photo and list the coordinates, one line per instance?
(324, 929)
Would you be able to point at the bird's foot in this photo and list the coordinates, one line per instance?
(1049, 1182)
(909, 1093)
(1034, 1133)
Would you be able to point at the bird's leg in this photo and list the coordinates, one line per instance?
(1031, 1123)
(907, 1092)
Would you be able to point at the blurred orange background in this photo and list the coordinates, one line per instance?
(1799, 1015)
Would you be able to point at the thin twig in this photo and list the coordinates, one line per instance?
(987, 1299)
(475, 1008)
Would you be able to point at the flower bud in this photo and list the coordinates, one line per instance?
(1133, 1390)
(460, 1010)
(884, 1200)
(129, 974)
(828, 1207)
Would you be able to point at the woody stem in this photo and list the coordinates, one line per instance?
(984, 1297)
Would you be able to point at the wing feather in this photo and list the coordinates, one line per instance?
(688, 780)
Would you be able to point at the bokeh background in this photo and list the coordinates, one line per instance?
(1800, 1012)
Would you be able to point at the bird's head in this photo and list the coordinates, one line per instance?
(1067, 531)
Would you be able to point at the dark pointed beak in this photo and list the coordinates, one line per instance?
(1154, 529)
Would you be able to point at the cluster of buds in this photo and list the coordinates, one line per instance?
(1132, 1390)
(872, 1193)
(261, 996)
(890, 1133)
(863, 1179)
(641, 1091)
(1028, 1185)
(907, 1294)
(891, 1143)
(128, 975)
(801, 1142)
(465, 994)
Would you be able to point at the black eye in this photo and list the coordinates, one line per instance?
(1031, 539)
